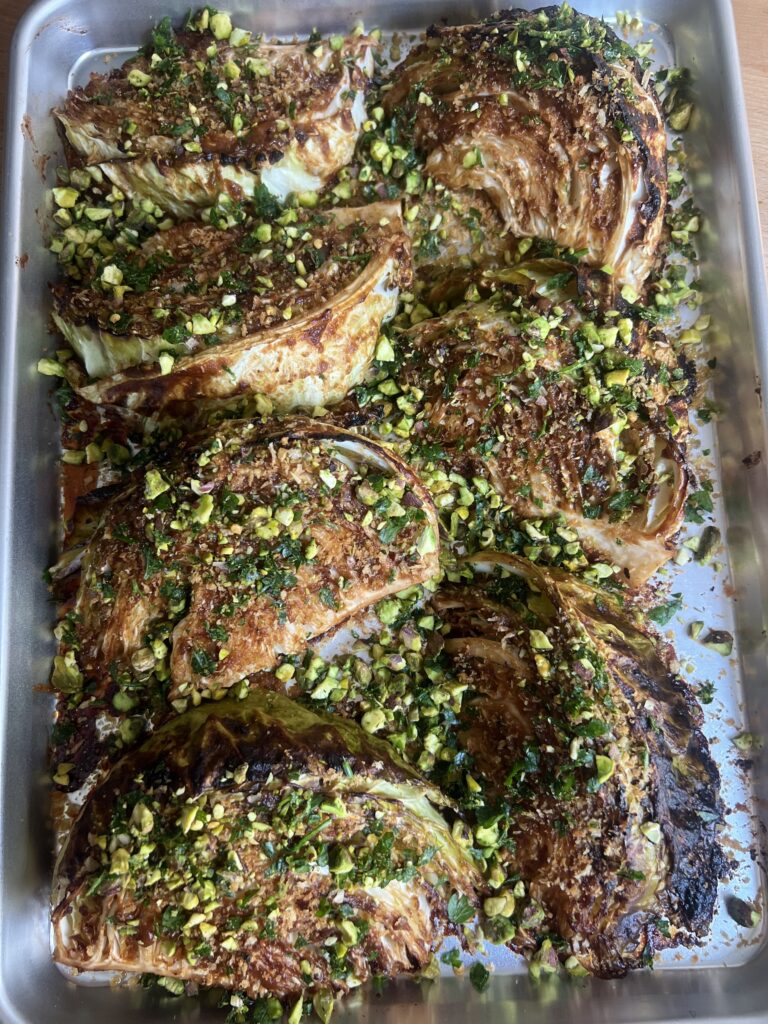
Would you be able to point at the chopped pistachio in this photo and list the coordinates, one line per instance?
(201, 513)
(544, 961)
(92, 454)
(285, 672)
(155, 484)
(680, 118)
(710, 538)
(138, 78)
(65, 197)
(188, 815)
(112, 274)
(142, 818)
(343, 190)
(604, 768)
(472, 784)
(143, 660)
(487, 835)
(200, 324)
(322, 1003)
(388, 610)
(120, 862)
(747, 741)
(373, 720)
(221, 25)
(340, 862)
(539, 640)
(123, 701)
(499, 906)
(427, 542)
(617, 378)
(258, 66)
(66, 675)
(166, 361)
(51, 368)
(652, 831)
(719, 640)
(379, 149)
(574, 968)
(239, 37)
(746, 915)
(384, 351)
(349, 933)
(173, 985)
(73, 457)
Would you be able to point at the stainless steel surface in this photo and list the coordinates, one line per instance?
(727, 980)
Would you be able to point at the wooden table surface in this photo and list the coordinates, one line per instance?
(751, 25)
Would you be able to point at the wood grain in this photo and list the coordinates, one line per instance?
(751, 25)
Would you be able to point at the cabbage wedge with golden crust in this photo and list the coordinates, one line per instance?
(548, 115)
(214, 110)
(558, 413)
(576, 722)
(227, 556)
(200, 312)
(264, 848)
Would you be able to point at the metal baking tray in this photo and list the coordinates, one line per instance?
(57, 44)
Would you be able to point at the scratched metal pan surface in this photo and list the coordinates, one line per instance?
(57, 45)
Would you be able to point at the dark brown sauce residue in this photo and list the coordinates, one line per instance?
(40, 160)
(26, 129)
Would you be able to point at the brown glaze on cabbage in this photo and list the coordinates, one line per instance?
(548, 115)
(263, 848)
(577, 722)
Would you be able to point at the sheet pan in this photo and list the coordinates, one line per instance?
(58, 43)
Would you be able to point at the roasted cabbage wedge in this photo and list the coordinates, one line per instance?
(548, 114)
(228, 555)
(200, 312)
(556, 411)
(329, 690)
(264, 848)
(557, 723)
(669, 376)
(591, 746)
(217, 110)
